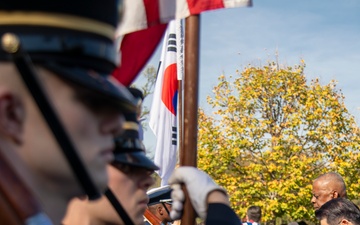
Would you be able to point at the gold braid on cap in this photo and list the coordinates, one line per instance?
(131, 126)
(57, 20)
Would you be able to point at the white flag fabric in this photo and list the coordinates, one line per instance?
(164, 107)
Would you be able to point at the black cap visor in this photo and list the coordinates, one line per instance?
(160, 195)
(85, 60)
(118, 95)
(135, 158)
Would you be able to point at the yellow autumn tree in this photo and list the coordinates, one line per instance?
(271, 133)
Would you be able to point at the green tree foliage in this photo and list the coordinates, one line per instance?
(271, 134)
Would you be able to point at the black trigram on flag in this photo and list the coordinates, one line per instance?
(171, 43)
(174, 136)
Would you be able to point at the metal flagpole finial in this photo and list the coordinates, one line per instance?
(10, 42)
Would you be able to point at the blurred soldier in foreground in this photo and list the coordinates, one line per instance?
(71, 53)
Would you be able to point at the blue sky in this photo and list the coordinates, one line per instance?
(326, 34)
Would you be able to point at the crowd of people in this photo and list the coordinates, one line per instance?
(329, 200)
(70, 134)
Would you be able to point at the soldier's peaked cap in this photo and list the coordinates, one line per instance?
(129, 149)
(72, 38)
(160, 195)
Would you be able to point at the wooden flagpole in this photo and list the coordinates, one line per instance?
(180, 118)
(188, 156)
(180, 71)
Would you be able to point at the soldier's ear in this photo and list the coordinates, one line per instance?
(12, 115)
(345, 222)
(160, 210)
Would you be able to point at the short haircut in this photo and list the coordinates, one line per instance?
(337, 181)
(254, 213)
(337, 209)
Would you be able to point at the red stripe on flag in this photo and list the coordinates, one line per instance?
(136, 49)
(170, 87)
(198, 6)
(152, 12)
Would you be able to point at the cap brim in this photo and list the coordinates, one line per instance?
(117, 95)
(137, 159)
(160, 195)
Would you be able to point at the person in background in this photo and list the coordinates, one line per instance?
(160, 204)
(326, 187)
(253, 216)
(338, 211)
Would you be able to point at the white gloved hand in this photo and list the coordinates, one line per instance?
(178, 198)
(198, 185)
